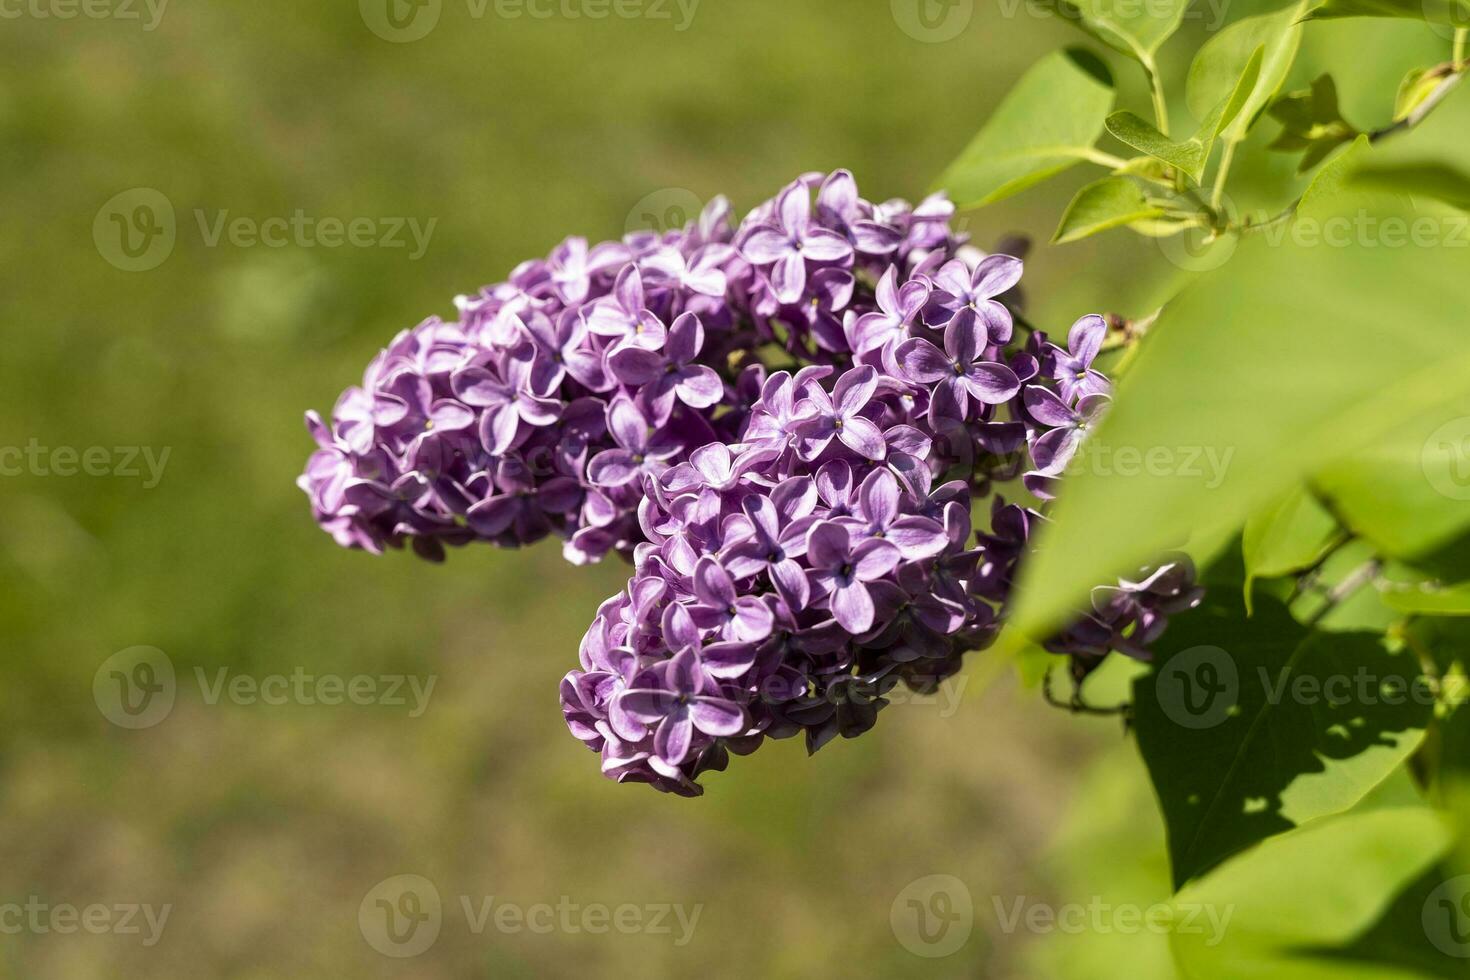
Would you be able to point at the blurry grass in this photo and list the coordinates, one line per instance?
(265, 826)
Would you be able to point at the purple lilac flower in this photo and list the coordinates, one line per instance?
(783, 424)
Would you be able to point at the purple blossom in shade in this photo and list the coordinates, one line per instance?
(840, 572)
(721, 607)
(915, 537)
(641, 449)
(962, 367)
(785, 245)
(799, 532)
(673, 373)
(1054, 448)
(1072, 368)
(680, 698)
(821, 417)
(508, 398)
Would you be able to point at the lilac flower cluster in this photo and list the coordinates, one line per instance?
(785, 425)
(543, 407)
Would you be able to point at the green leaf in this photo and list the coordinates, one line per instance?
(1301, 904)
(1135, 28)
(1226, 58)
(1453, 13)
(1260, 375)
(1287, 537)
(1428, 601)
(1417, 86)
(1408, 492)
(1101, 205)
(1330, 183)
(1311, 123)
(1047, 123)
(1188, 156)
(1253, 726)
(1428, 179)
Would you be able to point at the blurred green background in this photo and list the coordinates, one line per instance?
(265, 826)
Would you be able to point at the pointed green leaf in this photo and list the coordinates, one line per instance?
(1433, 180)
(1417, 86)
(1330, 183)
(1262, 374)
(1101, 205)
(1452, 13)
(1287, 537)
(1219, 66)
(1407, 492)
(1135, 28)
(1253, 726)
(1429, 601)
(1047, 123)
(1188, 156)
(1311, 123)
(1305, 905)
(1192, 155)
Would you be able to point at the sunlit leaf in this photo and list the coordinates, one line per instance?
(1226, 58)
(1453, 13)
(1047, 123)
(1407, 492)
(1304, 905)
(1253, 726)
(1134, 28)
(1286, 537)
(1263, 373)
(1107, 203)
(1432, 180)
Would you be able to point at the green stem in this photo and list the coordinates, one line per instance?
(1103, 159)
(1156, 86)
(1462, 35)
(1227, 157)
